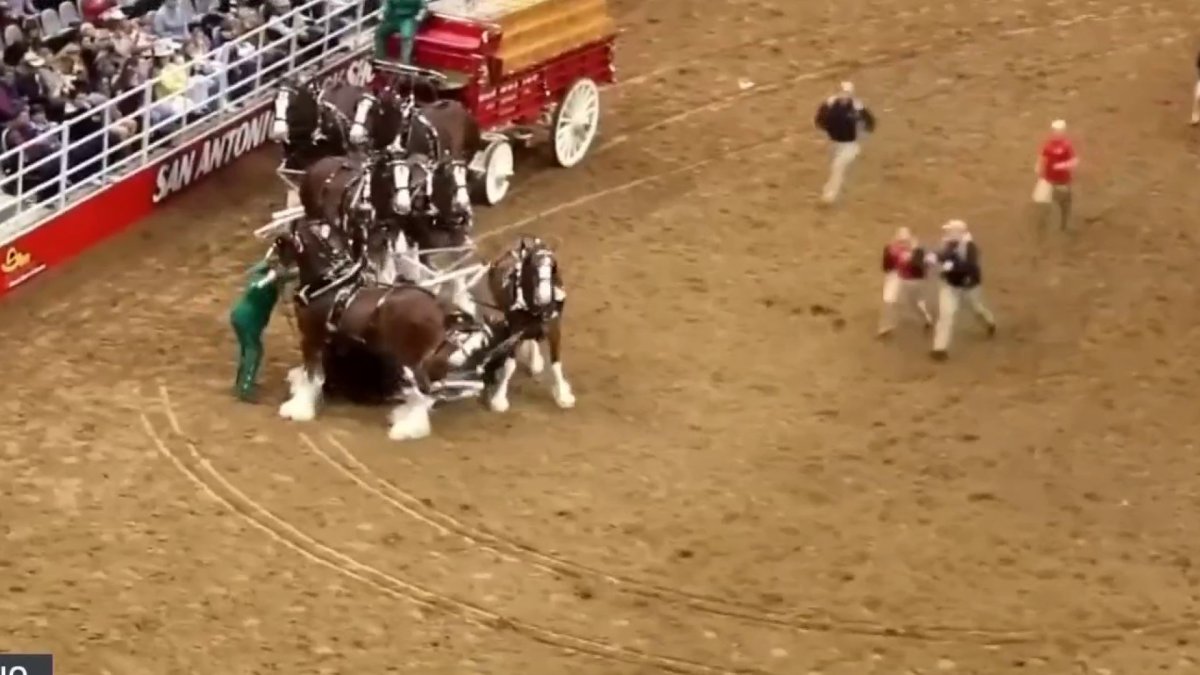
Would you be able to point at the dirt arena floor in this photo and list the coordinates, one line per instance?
(750, 483)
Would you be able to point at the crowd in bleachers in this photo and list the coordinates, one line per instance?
(63, 61)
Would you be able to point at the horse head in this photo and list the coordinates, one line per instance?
(383, 117)
(318, 250)
(295, 106)
(539, 286)
(449, 194)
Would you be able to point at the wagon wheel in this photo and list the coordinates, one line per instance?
(495, 170)
(575, 122)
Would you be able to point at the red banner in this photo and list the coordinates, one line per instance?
(115, 208)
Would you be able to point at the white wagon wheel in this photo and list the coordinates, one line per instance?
(494, 177)
(575, 122)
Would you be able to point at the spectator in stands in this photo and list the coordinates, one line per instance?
(92, 10)
(208, 76)
(11, 103)
(239, 75)
(127, 36)
(170, 105)
(7, 16)
(29, 79)
(37, 171)
(280, 28)
(58, 73)
(128, 81)
(172, 20)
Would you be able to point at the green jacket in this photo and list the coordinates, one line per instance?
(260, 295)
(399, 10)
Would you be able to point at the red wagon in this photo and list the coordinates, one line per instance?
(529, 70)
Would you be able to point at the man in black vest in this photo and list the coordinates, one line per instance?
(961, 277)
(843, 118)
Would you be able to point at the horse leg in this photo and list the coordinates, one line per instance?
(498, 397)
(460, 295)
(529, 353)
(559, 387)
(306, 383)
(410, 420)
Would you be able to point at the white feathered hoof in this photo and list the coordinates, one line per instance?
(564, 397)
(298, 409)
(296, 378)
(498, 404)
(410, 422)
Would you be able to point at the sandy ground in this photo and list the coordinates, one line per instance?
(750, 483)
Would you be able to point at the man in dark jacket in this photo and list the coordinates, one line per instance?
(843, 118)
(29, 81)
(961, 278)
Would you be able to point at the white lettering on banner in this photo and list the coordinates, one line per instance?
(213, 153)
(358, 72)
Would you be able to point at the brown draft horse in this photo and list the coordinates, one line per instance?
(379, 198)
(395, 118)
(313, 121)
(403, 325)
(526, 285)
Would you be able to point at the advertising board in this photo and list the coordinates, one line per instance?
(114, 208)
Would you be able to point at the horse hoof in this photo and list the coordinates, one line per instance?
(405, 432)
(498, 405)
(565, 399)
(296, 411)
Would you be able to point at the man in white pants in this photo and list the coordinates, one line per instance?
(844, 119)
(1196, 95)
(961, 277)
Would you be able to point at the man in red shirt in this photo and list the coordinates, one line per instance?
(903, 280)
(1055, 170)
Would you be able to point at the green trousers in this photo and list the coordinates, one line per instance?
(406, 27)
(249, 330)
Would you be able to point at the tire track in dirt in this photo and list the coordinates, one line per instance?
(810, 621)
(210, 482)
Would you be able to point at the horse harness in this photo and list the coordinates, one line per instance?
(414, 117)
(340, 120)
(517, 301)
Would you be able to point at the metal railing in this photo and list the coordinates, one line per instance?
(234, 76)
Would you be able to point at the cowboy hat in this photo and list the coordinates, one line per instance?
(165, 47)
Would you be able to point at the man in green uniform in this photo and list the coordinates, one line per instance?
(403, 17)
(250, 317)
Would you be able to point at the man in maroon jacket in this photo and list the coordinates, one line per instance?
(903, 280)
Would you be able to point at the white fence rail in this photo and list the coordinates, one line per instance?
(76, 162)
